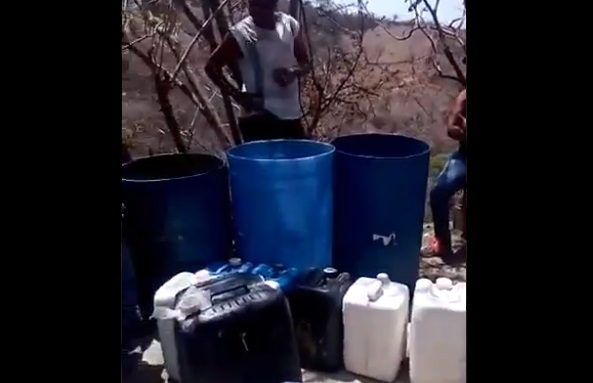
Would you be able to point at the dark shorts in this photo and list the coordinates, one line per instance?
(266, 126)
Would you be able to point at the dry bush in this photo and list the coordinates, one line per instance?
(168, 104)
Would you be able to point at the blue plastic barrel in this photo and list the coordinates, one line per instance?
(177, 217)
(130, 321)
(282, 198)
(380, 192)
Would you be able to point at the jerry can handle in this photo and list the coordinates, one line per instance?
(343, 277)
(229, 293)
(375, 291)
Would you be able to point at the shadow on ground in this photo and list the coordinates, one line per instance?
(144, 373)
(346, 377)
(150, 369)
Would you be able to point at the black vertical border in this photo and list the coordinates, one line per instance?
(515, 67)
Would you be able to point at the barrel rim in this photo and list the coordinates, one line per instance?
(420, 153)
(221, 165)
(331, 150)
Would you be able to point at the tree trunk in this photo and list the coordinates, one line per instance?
(162, 91)
(209, 34)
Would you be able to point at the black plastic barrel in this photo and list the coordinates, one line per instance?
(130, 321)
(379, 194)
(177, 217)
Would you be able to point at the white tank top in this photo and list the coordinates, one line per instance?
(276, 50)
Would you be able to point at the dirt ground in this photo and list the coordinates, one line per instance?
(434, 267)
(151, 371)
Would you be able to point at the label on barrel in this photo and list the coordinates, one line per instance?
(387, 240)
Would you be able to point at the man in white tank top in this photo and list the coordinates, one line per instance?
(270, 52)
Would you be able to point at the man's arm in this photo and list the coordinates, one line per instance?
(457, 117)
(227, 53)
(301, 55)
(457, 121)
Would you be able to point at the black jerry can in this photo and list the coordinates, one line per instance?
(245, 336)
(316, 305)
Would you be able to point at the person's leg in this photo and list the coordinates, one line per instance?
(292, 129)
(257, 127)
(450, 181)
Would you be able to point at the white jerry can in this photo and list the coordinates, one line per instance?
(164, 307)
(375, 321)
(437, 339)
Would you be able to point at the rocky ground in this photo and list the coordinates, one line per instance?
(434, 267)
(151, 360)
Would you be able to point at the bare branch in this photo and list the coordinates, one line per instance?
(207, 109)
(195, 39)
(138, 40)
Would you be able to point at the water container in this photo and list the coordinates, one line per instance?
(129, 363)
(380, 193)
(165, 299)
(177, 217)
(285, 277)
(234, 265)
(243, 334)
(264, 270)
(130, 319)
(281, 193)
(375, 321)
(316, 305)
(437, 340)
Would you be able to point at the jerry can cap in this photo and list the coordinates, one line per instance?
(235, 261)
(201, 276)
(330, 272)
(444, 284)
(383, 278)
(423, 283)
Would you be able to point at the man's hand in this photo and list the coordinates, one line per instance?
(285, 76)
(228, 54)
